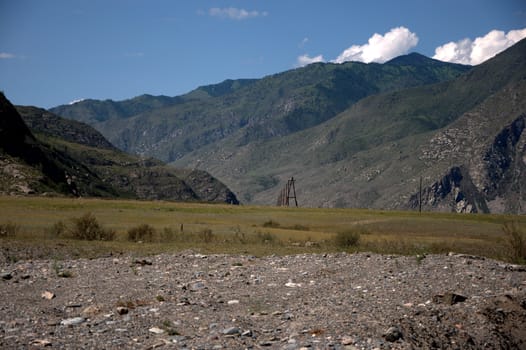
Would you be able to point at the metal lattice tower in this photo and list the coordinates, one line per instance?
(287, 193)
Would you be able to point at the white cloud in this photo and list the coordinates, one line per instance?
(6, 55)
(306, 59)
(303, 42)
(467, 51)
(235, 13)
(381, 48)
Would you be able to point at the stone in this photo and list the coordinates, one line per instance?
(246, 333)
(291, 284)
(232, 302)
(393, 334)
(121, 310)
(142, 262)
(156, 330)
(41, 342)
(449, 298)
(347, 340)
(198, 285)
(6, 276)
(231, 331)
(48, 295)
(72, 321)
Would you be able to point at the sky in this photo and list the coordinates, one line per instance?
(54, 52)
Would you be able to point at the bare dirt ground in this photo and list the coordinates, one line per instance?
(333, 301)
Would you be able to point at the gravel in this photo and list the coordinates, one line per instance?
(332, 301)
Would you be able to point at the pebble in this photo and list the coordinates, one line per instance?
(156, 330)
(231, 331)
(48, 295)
(121, 310)
(6, 276)
(392, 334)
(72, 321)
(41, 342)
(302, 301)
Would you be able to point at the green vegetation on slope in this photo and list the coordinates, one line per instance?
(373, 153)
(254, 110)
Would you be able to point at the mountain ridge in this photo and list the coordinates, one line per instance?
(354, 134)
(260, 109)
(344, 142)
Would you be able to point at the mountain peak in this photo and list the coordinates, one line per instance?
(415, 59)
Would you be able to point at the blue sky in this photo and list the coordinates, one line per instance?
(56, 51)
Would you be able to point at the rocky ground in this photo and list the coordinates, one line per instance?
(334, 301)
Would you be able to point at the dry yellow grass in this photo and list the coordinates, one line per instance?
(246, 229)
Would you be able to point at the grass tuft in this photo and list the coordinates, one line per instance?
(347, 239)
(206, 235)
(58, 229)
(141, 233)
(271, 223)
(9, 229)
(516, 240)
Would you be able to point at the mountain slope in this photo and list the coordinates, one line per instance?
(30, 166)
(371, 155)
(128, 175)
(257, 110)
(65, 157)
(357, 135)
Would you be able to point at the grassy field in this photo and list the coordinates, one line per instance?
(251, 230)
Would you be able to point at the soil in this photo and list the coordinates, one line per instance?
(330, 301)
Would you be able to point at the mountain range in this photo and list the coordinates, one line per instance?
(412, 132)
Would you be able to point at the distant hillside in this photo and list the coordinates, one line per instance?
(30, 166)
(254, 110)
(60, 156)
(354, 134)
(374, 153)
(51, 125)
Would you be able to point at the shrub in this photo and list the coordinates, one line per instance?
(516, 239)
(168, 234)
(347, 239)
(88, 228)
(144, 233)
(58, 229)
(9, 229)
(265, 237)
(206, 235)
(271, 223)
(299, 227)
(240, 236)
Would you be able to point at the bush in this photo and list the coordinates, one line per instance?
(516, 239)
(347, 239)
(271, 223)
(265, 237)
(58, 229)
(144, 233)
(206, 235)
(168, 234)
(88, 228)
(9, 229)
